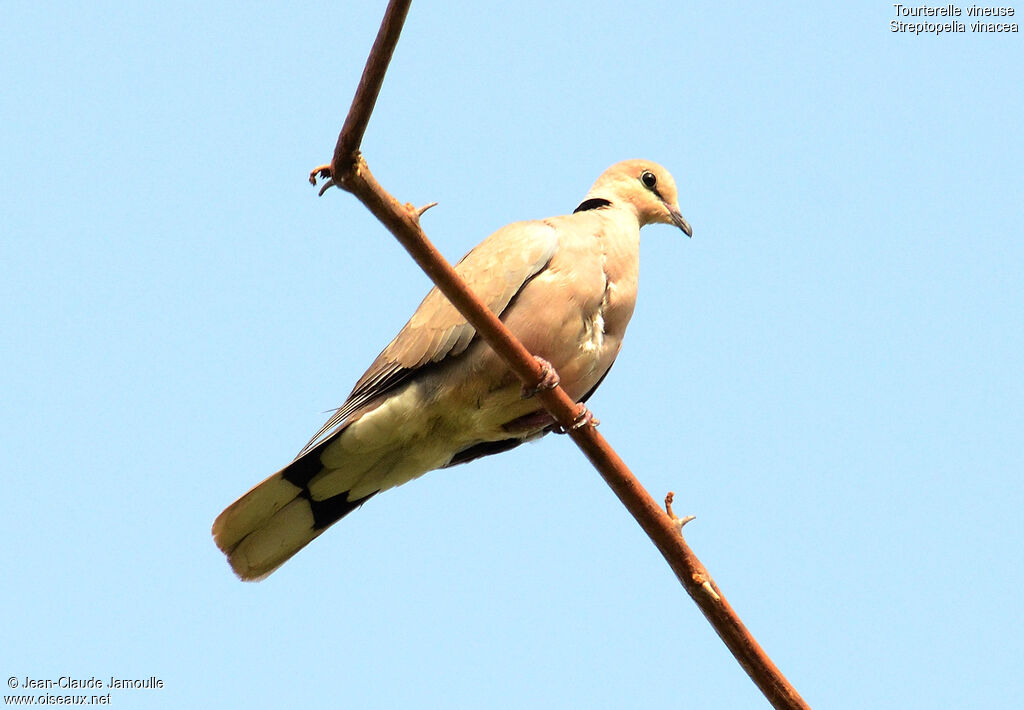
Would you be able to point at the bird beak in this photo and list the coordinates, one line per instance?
(680, 221)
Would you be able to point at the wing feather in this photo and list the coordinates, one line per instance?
(496, 270)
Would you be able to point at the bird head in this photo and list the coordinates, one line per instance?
(646, 187)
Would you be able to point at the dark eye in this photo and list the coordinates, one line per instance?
(648, 179)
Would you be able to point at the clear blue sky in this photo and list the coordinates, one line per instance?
(829, 374)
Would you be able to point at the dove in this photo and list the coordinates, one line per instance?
(438, 395)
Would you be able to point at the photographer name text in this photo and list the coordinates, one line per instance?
(69, 683)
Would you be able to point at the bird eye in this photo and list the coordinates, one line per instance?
(648, 179)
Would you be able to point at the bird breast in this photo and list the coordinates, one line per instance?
(593, 333)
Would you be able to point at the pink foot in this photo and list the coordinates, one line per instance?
(548, 379)
(584, 417)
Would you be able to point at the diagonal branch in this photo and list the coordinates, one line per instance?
(349, 171)
(352, 131)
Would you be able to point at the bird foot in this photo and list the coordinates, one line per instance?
(584, 417)
(548, 379)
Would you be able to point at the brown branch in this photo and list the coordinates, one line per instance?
(351, 136)
(349, 170)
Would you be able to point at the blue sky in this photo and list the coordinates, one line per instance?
(828, 374)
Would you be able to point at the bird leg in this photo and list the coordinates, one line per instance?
(548, 379)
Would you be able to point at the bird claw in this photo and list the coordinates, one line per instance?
(548, 379)
(584, 417)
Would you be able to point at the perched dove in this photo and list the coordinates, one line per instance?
(439, 396)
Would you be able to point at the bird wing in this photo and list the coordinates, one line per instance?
(496, 270)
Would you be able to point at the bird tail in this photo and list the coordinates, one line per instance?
(263, 529)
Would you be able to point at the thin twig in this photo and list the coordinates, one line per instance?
(351, 136)
(349, 170)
